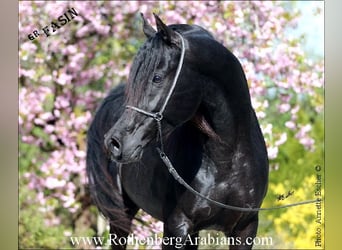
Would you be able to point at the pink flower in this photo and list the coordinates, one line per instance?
(64, 79)
(52, 183)
(272, 152)
(29, 46)
(70, 49)
(77, 62)
(84, 30)
(267, 129)
(49, 129)
(69, 201)
(62, 102)
(304, 138)
(282, 139)
(304, 130)
(307, 142)
(290, 124)
(46, 78)
(27, 73)
(284, 107)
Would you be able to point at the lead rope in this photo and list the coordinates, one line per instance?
(180, 180)
(158, 117)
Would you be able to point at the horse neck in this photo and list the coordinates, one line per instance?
(226, 102)
(228, 120)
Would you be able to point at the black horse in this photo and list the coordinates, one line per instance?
(209, 131)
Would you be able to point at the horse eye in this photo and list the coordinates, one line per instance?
(157, 79)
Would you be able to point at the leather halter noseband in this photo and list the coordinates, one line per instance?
(158, 117)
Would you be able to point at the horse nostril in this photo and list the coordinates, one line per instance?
(115, 147)
(130, 128)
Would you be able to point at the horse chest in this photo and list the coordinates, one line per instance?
(147, 187)
(155, 190)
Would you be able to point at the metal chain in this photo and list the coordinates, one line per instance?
(160, 136)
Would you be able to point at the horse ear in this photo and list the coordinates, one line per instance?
(167, 34)
(147, 28)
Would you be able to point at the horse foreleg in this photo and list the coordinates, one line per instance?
(191, 242)
(178, 232)
(244, 234)
(118, 234)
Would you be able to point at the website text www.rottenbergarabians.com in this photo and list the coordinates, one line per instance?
(177, 242)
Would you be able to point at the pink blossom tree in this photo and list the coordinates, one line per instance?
(63, 77)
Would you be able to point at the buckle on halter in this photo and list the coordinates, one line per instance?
(158, 116)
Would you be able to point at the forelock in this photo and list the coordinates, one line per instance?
(144, 64)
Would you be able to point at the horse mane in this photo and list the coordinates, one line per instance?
(144, 63)
(100, 170)
(219, 63)
(203, 125)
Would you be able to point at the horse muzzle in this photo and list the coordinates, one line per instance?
(126, 144)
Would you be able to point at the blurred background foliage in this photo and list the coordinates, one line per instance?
(63, 77)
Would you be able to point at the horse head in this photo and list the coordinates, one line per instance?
(160, 81)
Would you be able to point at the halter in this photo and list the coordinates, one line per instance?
(158, 117)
